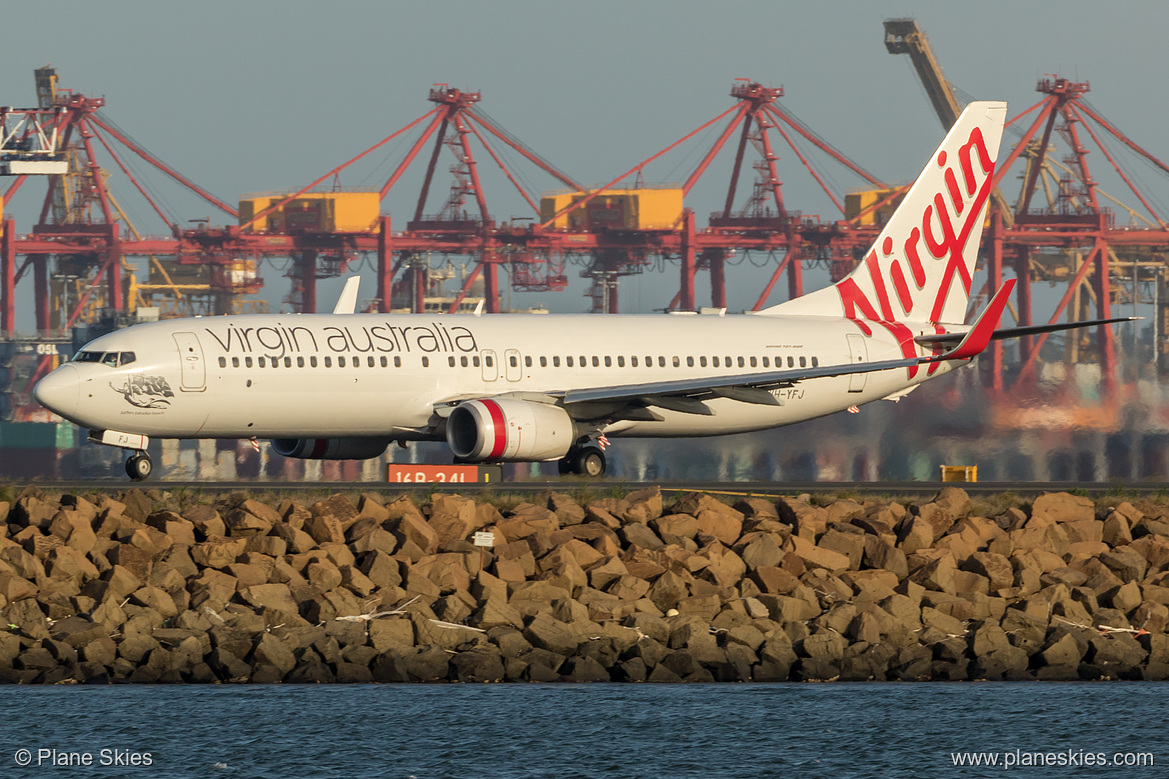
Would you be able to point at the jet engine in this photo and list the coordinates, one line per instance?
(494, 430)
(329, 448)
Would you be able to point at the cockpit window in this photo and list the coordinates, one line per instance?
(112, 359)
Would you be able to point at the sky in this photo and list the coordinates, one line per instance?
(252, 96)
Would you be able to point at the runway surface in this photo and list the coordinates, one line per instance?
(610, 487)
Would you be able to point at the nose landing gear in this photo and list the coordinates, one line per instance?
(139, 466)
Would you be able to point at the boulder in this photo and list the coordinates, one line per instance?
(426, 664)
(817, 557)
(215, 552)
(482, 664)
(1063, 507)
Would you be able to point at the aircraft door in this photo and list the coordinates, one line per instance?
(511, 364)
(193, 373)
(490, 366)
(859, 350)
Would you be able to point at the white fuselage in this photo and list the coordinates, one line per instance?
(378, 375)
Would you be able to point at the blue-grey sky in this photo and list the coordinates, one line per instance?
(250, 96)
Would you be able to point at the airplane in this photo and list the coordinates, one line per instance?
(521, 388)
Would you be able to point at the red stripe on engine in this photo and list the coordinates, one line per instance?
(500, 425)
(319, 447)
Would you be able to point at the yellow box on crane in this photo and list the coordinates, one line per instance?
(313, 212)
(856, 203)
(616, 209)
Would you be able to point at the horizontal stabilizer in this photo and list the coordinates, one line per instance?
(973, 343)
(944, 339)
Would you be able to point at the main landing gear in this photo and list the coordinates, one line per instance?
(584, 461)
(139, 466)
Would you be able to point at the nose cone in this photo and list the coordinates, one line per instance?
(60, 391)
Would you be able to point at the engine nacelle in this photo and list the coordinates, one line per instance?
(493, 430)
(329, 448)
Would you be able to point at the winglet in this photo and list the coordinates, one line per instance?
(980, 334)
(347, 301)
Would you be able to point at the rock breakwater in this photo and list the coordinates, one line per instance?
(148, 587)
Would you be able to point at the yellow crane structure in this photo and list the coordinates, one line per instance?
(905, 36)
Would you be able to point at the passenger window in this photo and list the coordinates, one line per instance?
(340, 362)
(312, 362)
(677, 363)
(543, 362)
(568, 361)
(527, 362)
(715, 363)
(555, 361)
(690, 362)
(727, 361)
(608, 361)
(398, 362)
(385, 363)
(753, 363)
(235, 362)
(222, 362)
(462, 361)
(632, 361)
(328, 362)
(261, 362)
(488, 360)
(767, 363)
(514, 362)
(815, 362)
(474, 361)
(369, 361)
(740, 362)
(426, 362)
(299, 362)
(661, 362)
(450, 361)
(791, 363)
(596, 362)
(803, 361)
(247, 362)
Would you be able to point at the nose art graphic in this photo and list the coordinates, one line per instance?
(60, 391)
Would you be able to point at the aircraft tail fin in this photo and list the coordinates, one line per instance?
(347, 300)
(920, 267)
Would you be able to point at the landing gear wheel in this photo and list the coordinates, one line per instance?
(139, 466)
(591, 462)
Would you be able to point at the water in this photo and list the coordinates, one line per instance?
(578, 731)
